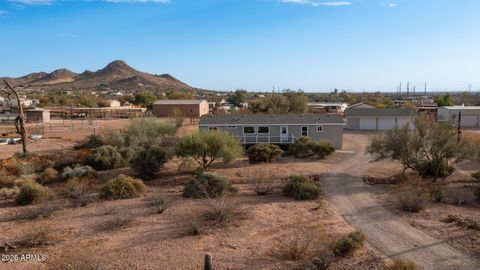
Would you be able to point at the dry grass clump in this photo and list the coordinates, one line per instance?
(467, 222)
(9, 193)
(79, 258)
(44, 210)
(49, 175)
(123, 187)
(36, 234)
(401, 264)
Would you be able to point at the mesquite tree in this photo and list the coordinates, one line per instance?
(20, 120)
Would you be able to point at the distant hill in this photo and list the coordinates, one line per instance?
(117, 75)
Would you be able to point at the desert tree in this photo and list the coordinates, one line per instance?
(20, 120)
(207, 146)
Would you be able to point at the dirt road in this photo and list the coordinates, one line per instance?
(392, 236)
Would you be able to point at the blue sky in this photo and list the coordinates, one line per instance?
(314, 45)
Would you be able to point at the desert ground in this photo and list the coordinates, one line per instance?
(153, 240)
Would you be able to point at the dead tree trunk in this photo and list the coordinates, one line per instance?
(20, 120)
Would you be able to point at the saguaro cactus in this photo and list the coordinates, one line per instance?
(208, 261)
(20, 120)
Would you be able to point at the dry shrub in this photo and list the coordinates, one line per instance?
(412, 195)
(262, 181)
(9, 193)
(307, 245)
(77, 257)
(160, 203)
(187, 165)
(221, 212)
(36, 234)
(32, 192)
(348, 243)
(78, 190)
(467, 222)
(208, 185)
(6, 179)
(123, 187)
(49, 175)
(401, 264)
(117, 220)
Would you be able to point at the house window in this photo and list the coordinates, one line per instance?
(263, 130)
(231, 127)
(319, 128)
(249, 130)
(305, 131)
(212, 128)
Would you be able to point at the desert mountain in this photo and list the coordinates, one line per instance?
(116, 75)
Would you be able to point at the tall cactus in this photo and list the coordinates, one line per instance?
(208, 261)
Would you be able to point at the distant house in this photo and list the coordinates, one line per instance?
(278, 129)
(379, 119)
(114, 103)
(470, 115)
(189, 108)
(329, 107)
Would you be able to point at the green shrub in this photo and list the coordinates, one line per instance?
(348, 243)
(92, 141)
(25, 156)
(401, 264)
(209, 185)
(32, 192)
(148, 162)
(78, 171)
(305, 147)
(301, 188)
(105, 158)
(48, 175)
(428, 168)
(123, 187)
(264, 153)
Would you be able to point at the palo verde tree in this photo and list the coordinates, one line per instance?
(207, 146)
(20, 120)
(431, 148)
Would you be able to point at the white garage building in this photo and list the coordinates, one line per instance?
(470, 115)
(379, 119)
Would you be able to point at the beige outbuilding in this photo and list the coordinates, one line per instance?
(189, 108)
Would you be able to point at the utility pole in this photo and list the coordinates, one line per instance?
(425, 88)
(459, 125)
(408, 89)
(400, 93)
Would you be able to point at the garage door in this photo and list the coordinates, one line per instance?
(469, 120)
(386, 123)
(368, 123)
(401, 122)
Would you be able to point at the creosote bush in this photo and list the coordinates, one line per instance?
(92, 141)
(106, 157)
(348, 243)
(209, 185)
(149, 161)
(32, 192)
(264, 153)
(123, 187)
(301, 187)
(305, 147)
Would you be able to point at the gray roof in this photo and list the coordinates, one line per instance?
(254, 119)
(462, 107)
(400, 112)
(360, 106)
(178, 102)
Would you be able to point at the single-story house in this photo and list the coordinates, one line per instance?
(189, 108)
(278, 129)
(330, 107)
(379, 119)
(469, 118)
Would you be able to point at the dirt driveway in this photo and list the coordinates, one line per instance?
(392, 236)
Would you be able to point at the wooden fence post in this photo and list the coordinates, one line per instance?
(208, 261)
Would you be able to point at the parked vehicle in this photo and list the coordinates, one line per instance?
(4, 141)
